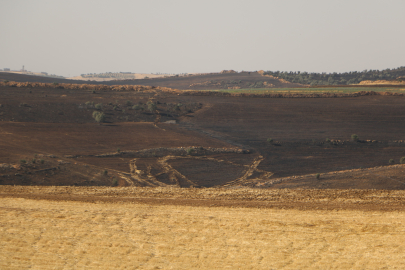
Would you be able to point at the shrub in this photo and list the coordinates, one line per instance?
(42, 161)
(23, 161)
(6, 81)
(151, 106)
(99, 116)
(55, 83)
(391, 161)
(129, 103)
(190, 151)
(99, 106)
(115, 108)
(34, 160)
(355, 138)
(94, 91)
(318, 176)
(327, 140)
(105, 172)
(176, 107)
(269, 140)
(402, 160)
(118, 150)
(89, 103)
(22, 104)
(114, 182)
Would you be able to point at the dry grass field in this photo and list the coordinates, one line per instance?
(39, 234)
(153, 228)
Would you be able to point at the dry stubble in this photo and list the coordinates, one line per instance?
(55, 235)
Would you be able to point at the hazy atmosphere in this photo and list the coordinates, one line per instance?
(73, 37)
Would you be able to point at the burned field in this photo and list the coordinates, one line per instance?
(91, 177)
(153, 137)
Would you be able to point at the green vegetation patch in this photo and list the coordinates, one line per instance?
(311, 90)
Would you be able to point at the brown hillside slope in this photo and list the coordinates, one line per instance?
(213, 81)
(193, 82)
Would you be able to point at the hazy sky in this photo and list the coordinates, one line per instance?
(186, 36)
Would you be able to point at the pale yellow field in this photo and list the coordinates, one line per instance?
(40, 234)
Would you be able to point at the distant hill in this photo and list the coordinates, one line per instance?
(232, 80)
(345, 78)
(9, 76)
(211, 81)
(238, 80)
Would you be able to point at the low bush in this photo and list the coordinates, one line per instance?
(327, 140)
(151, 106)
(269, 140)
(42, 161)
(99, 116)
(318, 176)
(391, 161)
(34, 160)
(402, 160)
(99, 106)
(129, 103)
(114, 182)
(355, 138)
(23, 161)
(137, 107)
(105, 172)
(190, 151)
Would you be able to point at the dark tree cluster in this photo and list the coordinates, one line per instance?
(352, 77)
